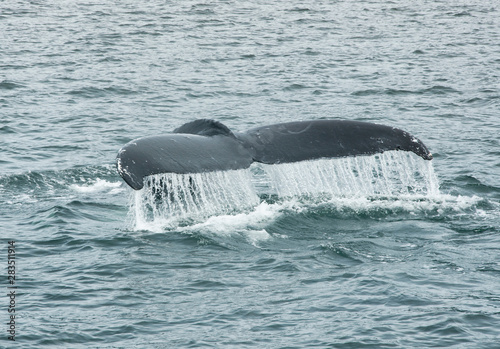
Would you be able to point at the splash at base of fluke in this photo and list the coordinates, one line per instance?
(175, 198)
(170, 200)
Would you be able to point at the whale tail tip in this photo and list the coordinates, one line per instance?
(205, 127)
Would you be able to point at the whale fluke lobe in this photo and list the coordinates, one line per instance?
(307, 140)
(179, 153)
(207, 145)
(205, 127)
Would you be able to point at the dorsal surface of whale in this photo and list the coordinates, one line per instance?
(207, 145)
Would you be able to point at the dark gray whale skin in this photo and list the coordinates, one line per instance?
(207, 145)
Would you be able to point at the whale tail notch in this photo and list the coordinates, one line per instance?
(207, 145)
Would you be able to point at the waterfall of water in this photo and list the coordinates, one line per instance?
(392, 173)
(185, 196)
(171, 195)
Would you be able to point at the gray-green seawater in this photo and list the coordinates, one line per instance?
(80, 79)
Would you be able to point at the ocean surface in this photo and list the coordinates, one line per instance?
(321, 254)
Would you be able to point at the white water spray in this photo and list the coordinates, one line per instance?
(392, 173)
(169, 198)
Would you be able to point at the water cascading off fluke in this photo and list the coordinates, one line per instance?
(174, 197)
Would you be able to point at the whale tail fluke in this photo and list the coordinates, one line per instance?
(207, 145)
